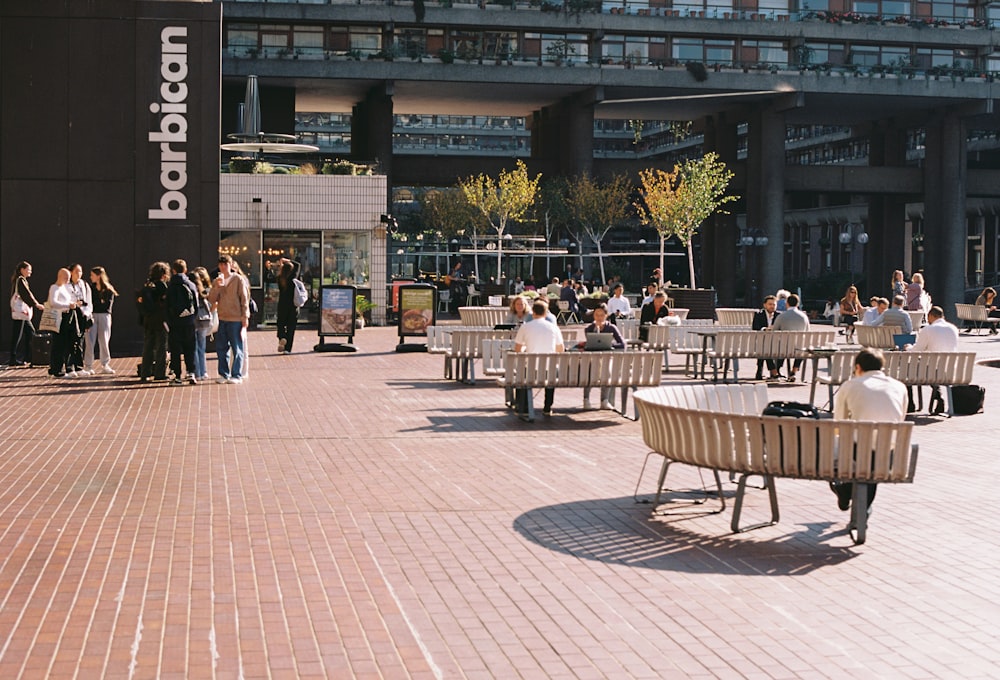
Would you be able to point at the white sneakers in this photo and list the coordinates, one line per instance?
(587, 405)
(606, 405)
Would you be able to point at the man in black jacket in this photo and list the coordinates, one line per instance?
(762, 320)
(182, 304)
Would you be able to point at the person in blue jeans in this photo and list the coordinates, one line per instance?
(231, 293)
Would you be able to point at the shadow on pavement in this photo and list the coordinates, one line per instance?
(621, 531)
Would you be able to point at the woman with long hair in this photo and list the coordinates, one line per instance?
(80, 290)
(61, 298)
(153, 300)
(202, 327)
(103, 295)
(22, 307)
(288, 313)
(850, 310)
(898, 284)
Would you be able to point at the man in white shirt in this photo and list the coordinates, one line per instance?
(871, 396)
(937, 336)
(537, 338)
(875, 311)
(554, 288)
(618, 304)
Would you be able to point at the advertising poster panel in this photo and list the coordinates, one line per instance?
(337, 312)
(416, 309)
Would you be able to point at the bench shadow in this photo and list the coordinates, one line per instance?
(489, 419)
(622, 532)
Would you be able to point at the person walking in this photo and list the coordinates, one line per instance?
(153, 302)
(61, 299)
(182, 312)
(288, 313)
(203, 323)
(22, 307)
(871, 396)
(103, 294)
(232, 295)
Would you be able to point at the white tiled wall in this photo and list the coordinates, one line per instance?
(298, 202)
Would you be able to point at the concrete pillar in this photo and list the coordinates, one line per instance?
(562, 134)
(766, 197)
(945, 227)
(371, 131)
(888, 244)
(719, 234)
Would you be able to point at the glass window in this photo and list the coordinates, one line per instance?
(346, 257)
(244, 248)
(301, 246)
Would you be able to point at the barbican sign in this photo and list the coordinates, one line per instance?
(172, 135)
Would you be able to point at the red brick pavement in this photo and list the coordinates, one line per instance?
(354, 515)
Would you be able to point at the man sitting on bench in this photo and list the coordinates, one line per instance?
(871, 396)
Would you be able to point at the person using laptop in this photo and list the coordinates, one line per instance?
(601, 325)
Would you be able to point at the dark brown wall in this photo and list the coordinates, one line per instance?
(78, 173)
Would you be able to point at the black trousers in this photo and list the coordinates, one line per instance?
(288, 320)
(21, 334)
(182, 344)
(521, 397)
(154, 351)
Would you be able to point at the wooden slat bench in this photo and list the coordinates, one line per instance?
(482, 316)
(731, 346)
(624, 370)
(711, 427)
(917, 369)
(735, 316)
(977, 316)
(876, 336)
(466, 347)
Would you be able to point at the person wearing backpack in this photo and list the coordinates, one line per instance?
(290, 291)
(182, 312)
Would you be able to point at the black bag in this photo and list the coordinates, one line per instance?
(790, 409)
(41, 349)
(967, 399)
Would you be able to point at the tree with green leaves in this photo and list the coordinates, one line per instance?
(598, 207)
(501, 200)
(676, 203)
(554, 213)
(447, 211)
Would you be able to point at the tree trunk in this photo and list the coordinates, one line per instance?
(662, 245)
(600, 259)
(691, 264)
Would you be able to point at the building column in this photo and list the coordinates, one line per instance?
(719, 234)
(562, 134)
(765, 198)
(887, 241)
(371, 131)
(945, 227)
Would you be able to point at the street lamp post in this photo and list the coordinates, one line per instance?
(752, 241)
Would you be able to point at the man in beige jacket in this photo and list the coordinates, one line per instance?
(232, 294)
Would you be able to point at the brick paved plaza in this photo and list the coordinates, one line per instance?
(355, 515)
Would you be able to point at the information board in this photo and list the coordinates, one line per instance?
(416, 309)
(337, 312)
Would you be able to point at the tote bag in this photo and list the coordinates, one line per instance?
(51, 319)
(19, 309)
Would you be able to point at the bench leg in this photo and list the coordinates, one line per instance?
(738, 507)
(859, 514)
(660, 487)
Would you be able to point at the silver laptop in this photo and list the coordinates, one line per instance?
(598, 342)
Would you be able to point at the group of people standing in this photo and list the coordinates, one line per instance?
(178, 310)
(83, 309)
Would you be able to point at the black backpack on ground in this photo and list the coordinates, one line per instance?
(790, 409)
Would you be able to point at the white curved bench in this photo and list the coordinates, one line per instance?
(717, 427)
